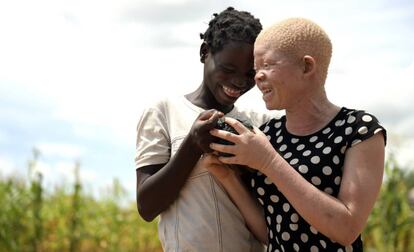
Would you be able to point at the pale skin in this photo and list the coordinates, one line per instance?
(341, 219)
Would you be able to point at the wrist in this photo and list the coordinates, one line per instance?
(230, 178)
(271, 161)
(192, 146)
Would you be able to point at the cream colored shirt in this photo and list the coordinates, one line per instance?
(202, 218)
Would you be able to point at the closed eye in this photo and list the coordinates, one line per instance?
(227, 69)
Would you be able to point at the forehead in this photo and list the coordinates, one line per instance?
(263, 52)
(235, 52)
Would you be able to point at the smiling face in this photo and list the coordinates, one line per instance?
(278, 77)
(229, 73)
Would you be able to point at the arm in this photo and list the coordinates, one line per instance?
(159, 185)
(341, 219)
(241, 197)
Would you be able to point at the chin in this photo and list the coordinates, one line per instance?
(229, 100)
(270, 106)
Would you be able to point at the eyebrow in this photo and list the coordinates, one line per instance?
(226, 64)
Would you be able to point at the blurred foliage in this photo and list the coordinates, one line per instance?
(390, 226)
(67, 218)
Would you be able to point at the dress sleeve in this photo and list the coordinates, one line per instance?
(153, 145)
(363, 126)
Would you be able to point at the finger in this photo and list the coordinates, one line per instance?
(257, 131)
(225, 135)
(211, 159)
(206, 114)
(215, 153)
(229, 160)
(238, 126)
(222, 148)
(214, 118)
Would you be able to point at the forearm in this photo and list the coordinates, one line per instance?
(156, 193)
(248, 207)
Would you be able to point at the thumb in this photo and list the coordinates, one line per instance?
(215, 116)
(211, 122)
(206, 115)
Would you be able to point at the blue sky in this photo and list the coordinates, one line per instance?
(75, 75)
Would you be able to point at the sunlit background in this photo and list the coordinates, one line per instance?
(75, 75)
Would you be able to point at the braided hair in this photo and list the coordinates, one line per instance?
(231, 25)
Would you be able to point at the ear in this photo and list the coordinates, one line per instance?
(309, 65)
(203, 51)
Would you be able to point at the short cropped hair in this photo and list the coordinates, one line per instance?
(231, 25)
(297, 37)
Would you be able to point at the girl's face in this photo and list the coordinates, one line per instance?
(278, 77)
(229, 72)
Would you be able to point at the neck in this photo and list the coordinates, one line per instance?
(203, 98)
(310, 115)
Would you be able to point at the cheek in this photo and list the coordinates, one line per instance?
(250, 84)
(220, 76)
(214, 77)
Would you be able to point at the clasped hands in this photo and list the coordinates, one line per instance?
(251, 147)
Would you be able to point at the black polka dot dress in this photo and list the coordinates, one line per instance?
(319, 158)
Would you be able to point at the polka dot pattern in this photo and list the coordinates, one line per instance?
(319, 158)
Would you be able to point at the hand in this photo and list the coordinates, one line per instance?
(199, 132)
(252, 149)
(216, 168)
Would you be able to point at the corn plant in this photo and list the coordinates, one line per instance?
(66, 218)
(391, 223)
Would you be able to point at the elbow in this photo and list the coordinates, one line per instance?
(347, 241)
(348, 236)
(145, 213)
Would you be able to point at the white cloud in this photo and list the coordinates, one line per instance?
(61, 150)
(96, 70)
(7, 166)
(40, 167)
(67, 170)
(402, 149)
(367, 84)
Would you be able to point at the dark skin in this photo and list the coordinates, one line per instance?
(158, 186)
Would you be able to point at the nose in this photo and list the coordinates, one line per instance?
(240, 82)
(259, 76)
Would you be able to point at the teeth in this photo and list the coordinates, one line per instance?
(231, 91)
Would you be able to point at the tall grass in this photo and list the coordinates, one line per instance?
(390, 226)
(66, 218)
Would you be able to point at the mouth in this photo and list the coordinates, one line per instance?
(232, 92)
(266, 92)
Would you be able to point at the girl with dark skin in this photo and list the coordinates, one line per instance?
(231, 65)
(227, 55)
